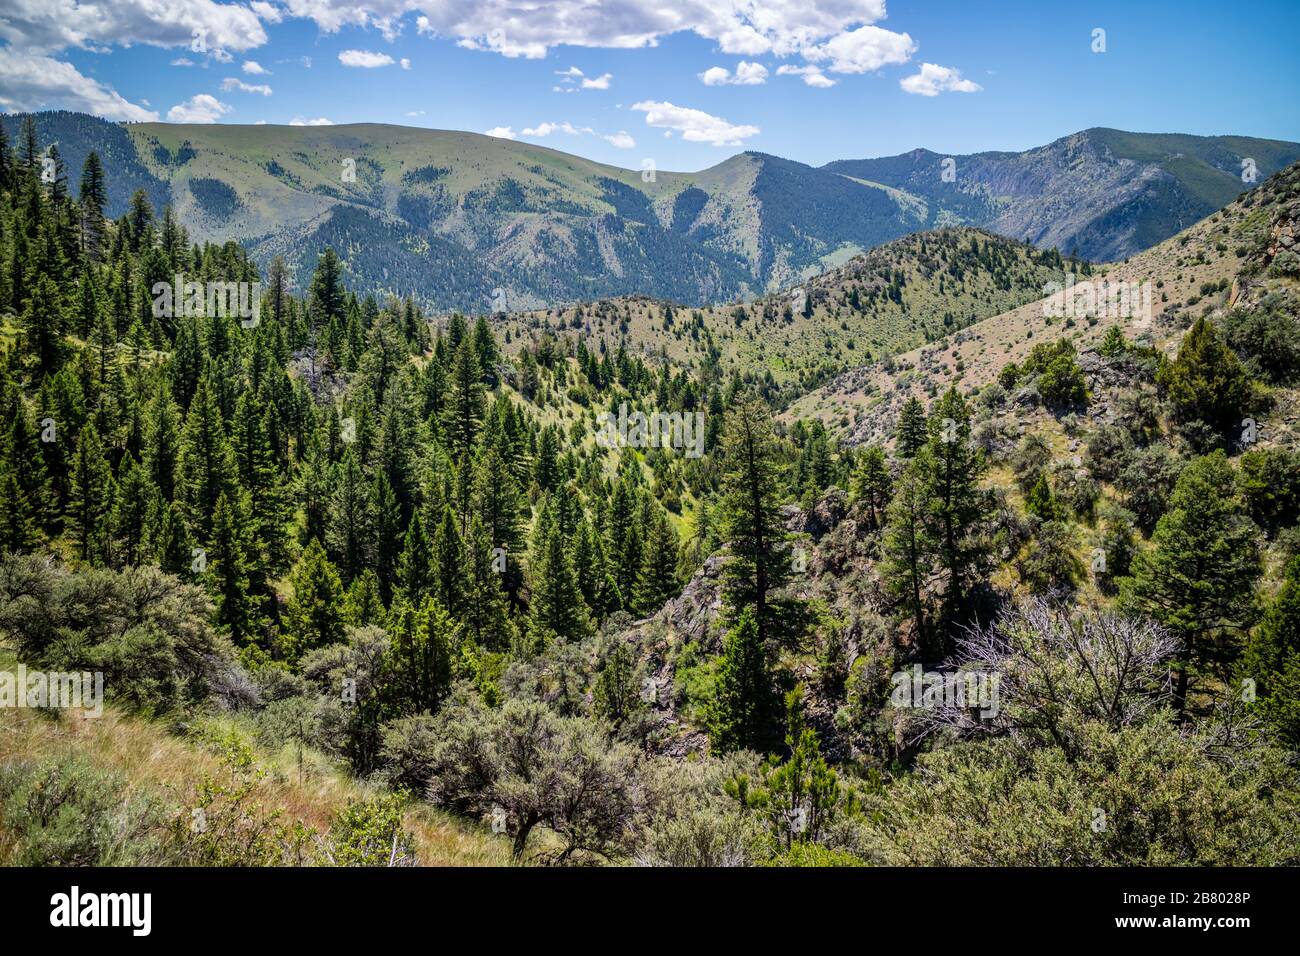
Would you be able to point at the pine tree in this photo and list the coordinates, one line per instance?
(18, 531)
(466, 404)
(315, 614)
(1198, 579)
(958, 508)
(93, 199)
(206, 465)
(449, 564)
(415, 567)
(556, 609)
(228, 568)
(423, 643)
(743, 711)
(43, 324)
(162, 442)
(364, 605)
(486, 617)
(910, 434)
(658, 581)
(1207, 382)
(259, 475)
(908, 549)
(1272, 661)
(871, 486)
(92, 498)
(327, 291)
(351, 536)
(750, 516)
(136, 499)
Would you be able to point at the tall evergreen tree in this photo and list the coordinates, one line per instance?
(315, 613)
(1198, 578)
(92, 498)
(749, 513)
(910, 434)
(745, 705)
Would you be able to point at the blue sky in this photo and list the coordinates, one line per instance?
(666, 82)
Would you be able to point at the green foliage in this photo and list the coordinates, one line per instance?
(1199, 577)
(62, 811)
(1207, 383)
(744, 709)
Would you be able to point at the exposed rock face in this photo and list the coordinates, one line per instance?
(837, 570)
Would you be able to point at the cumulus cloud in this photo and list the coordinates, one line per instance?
(740, 27)
(934, 79)
(696, 126)
(862, 50)
(622, 139)
(29, 82)
(405, 63)
(365, 59)
(597, 82)
(267, 11)
(318, 121)
(230, 84)
(500, 132)
(747, 74)
(199, 108)
(41, 26)
(812, 75)
(255, 69)
(546, 129)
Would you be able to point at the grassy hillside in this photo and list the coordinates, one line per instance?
(895, 297)
(1190, 274)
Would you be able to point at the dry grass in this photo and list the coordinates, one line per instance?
(153, 761)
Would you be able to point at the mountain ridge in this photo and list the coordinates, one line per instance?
(476, 223)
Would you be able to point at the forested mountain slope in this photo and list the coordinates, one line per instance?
(413, 585)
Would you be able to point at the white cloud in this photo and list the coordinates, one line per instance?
(405, 63)
(199, 108)
(747, 74)
(41, 26)
(622, 140)
(267, 11)
(863, 50)
(230, 84)
(254, 68)
(182, 61)
(812, 75)
(696, 126)
(740, 27)
(414, 113)
(318, 121)
(500, 132)
(597, 82)
(546, 129)
(572, 71)
(30, 82)
(365, 59)
(934, 79)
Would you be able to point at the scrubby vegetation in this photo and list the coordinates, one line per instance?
(384, 590)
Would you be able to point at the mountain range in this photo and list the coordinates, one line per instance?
(478, 223)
